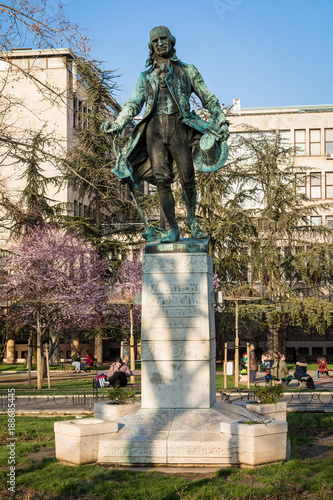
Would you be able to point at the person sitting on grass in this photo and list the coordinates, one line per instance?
(118, 374)
(300, 373)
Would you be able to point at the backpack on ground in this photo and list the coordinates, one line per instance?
(102, 381)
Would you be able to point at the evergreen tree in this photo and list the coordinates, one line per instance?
(272, 246)
(33, 207)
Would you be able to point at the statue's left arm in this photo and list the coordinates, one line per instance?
(210, 102)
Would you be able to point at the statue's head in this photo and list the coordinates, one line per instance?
(161, 42)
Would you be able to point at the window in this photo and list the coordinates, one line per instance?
(314, 141)
(315, 186)
(300, 181)
(285, 143)
(68, 354)
(76, 209)
(329, 221)
(329, 141)
(329, 185)
(300, 142)
(315, 220)
(284, 137)
(317, 351)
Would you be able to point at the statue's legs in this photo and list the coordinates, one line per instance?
(158, 131)
(182, 154)
(167, 140)
(190, 199)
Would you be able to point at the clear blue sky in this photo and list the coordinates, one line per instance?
(265, 52)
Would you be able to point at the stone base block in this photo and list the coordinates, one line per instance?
(257, 443)
(192, 437)
(110, 411)
(276, 411)
(77, 441)
(225, 435)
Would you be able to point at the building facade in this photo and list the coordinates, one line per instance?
(309, 129)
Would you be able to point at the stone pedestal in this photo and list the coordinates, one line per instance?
(178, 423)
(178, 346)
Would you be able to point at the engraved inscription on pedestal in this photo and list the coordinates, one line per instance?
(178, 350)
(171, 303)
(147, 450)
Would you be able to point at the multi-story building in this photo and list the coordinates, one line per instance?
(310, 130)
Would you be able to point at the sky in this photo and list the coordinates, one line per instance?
(264, 52)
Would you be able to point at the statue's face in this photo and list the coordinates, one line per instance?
(161, 44)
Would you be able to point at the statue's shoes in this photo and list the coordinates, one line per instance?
(196, 230)
(172, 236)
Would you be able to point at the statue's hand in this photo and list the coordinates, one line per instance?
(109, 128)
(224, 132)
(220, 125)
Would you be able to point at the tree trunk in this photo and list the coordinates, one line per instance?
(10, 351)
(99, 349)
(34, 348)
(75, 348)
(275, 338)
(98, 215)
(39, 353)
(55, 354)
(29, 361)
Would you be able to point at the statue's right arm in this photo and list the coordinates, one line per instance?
(131, 108)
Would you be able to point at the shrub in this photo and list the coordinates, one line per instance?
(121, 396)
(269, 394)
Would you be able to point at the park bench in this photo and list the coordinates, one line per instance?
(283, 381)
(65, 365)
(68, 364)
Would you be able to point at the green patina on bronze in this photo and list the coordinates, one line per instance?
(159, 147)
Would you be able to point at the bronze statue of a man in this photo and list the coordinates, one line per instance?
(160, 146)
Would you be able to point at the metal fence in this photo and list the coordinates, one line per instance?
(27, 400)
(52, 400)
(304, 399)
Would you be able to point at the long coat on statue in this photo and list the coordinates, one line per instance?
(183, 79)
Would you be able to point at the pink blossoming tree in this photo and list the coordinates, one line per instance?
(55, 281)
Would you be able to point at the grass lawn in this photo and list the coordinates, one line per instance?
(309, 473)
